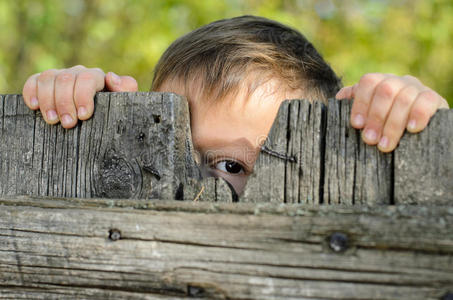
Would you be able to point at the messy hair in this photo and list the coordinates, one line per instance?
(220, 55)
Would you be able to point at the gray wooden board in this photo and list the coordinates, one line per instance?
(332, 165)
(355, 173)
(289, 166)
(137, 145)
(424, 163)
(59, 248)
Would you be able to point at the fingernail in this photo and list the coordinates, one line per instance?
(384, 142)
(411, 125)
(34, 102)
(359, 120)
(370, 135)
(82, 111)
(66, 119)
(52, 115)
(116, 79)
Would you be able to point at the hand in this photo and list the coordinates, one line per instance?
(67, 95)
(385, 105)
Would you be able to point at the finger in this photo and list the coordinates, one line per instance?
(444, 103)
(397, 119)
(344, 93)
(86, 86)
(46, 83)
(380, 106)
(363, 95)
(29, 92)
(77, 69)
(64, 95)
(424, 107)
(117, 83)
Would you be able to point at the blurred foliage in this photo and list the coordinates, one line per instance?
(128, 36)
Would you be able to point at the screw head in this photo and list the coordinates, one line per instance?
(114, 234)
(338, 242)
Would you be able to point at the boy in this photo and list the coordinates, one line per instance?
(235, 73)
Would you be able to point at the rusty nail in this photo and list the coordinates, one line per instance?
(338, 242)
(114, 234)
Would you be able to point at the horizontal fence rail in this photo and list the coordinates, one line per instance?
(141, 249)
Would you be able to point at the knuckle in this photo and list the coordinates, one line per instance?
(86, 76)
(77, 68)
(409, 77)
(412, 79)
(47, 75)
(65, 77)
(386, 89)
(429, 95)
(370, 78)
(99, 70)
(407, 96)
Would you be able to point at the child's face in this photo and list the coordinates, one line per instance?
(228, 133)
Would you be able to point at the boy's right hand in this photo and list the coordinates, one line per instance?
(68, 94)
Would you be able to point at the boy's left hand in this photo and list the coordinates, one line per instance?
(385, 105)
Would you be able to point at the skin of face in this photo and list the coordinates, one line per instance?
(227, 133)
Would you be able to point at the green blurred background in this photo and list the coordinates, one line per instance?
(128, 36)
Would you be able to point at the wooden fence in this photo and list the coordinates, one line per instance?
(323, 216)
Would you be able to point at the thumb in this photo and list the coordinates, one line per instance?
(115, 83)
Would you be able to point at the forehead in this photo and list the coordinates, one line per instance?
(239, 120)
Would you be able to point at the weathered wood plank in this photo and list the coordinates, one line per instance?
(137, 145)
(424, 164)
(355, 173)
(313, 155)
(289, 167)
(52, 248)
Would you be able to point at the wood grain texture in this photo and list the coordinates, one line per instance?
(54, 248)
(289, 167)
(137, 145)
(355, 173)
(424, 164)
(313, 155)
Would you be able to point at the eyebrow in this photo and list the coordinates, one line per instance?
(245, 148)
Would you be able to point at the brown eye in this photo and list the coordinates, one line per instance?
(230, 166)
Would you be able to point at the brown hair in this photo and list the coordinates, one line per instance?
(221, 54)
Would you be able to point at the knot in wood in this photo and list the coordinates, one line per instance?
(114, 234)
(338, 242)
(116, 177)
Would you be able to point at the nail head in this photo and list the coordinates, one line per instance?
(114, 234)
(338, 242)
